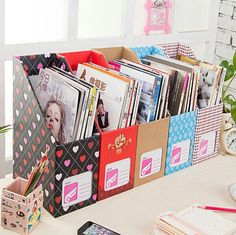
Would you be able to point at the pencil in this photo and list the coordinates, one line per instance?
(31, 178)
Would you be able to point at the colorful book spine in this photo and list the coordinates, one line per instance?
(156, 97)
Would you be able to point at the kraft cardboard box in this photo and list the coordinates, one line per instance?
(151, 151)
(69, 164)
(207, 134)
(115, 53)
(117, 161)
(180, 142)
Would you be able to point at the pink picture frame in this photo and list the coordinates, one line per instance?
(158, 12)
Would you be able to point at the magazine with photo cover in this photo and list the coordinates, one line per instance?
(59, 102)
(88, 110)
(113, 94)
(82, 104)
(208, 81)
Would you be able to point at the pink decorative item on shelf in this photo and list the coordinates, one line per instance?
(158, 12)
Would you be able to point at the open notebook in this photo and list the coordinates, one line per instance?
(194, 221)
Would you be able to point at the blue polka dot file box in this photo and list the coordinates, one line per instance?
(180, 142)
(142, 52)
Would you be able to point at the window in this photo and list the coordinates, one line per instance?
(34, 21)
(101, 18)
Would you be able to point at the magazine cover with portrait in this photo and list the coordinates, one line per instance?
(59, 102)
(112, 99)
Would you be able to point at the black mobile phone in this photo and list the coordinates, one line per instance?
(91, 228)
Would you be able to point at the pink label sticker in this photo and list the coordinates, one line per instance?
(203, 146)
(146, 166)
(176, 155)
(112, 178)
(71, 193)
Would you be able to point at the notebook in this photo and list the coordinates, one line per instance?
(195, 221)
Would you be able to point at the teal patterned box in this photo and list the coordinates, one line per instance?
(180, 142)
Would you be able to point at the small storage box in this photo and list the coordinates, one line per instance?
(19, 213)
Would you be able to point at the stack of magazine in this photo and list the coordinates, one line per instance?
(192, 82)
(98, 99)
(67, 102)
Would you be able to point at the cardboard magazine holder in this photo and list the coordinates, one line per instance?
(151, 151)
(207, 133)
(180, 142)
(19, 213)
(117, 161)
(117, 147)
(69, 164)
(115, 53)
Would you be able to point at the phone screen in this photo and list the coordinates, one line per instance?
(96, 229)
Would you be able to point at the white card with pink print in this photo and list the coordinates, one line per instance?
(150, 163)
(207, 144)
(76, 188)
(117, 174)
(180, 153)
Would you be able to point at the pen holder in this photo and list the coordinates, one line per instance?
(19, 213)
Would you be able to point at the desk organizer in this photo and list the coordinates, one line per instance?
(124, 151)
(207, 133)
(19, 213)
(180, 142)
(69, 163)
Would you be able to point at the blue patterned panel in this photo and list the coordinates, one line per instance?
(180, 142)
(142, 52)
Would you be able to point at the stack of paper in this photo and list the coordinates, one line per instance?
(195, 221)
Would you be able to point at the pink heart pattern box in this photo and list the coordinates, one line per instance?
(69, 164)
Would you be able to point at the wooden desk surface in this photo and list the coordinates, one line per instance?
(134, 212)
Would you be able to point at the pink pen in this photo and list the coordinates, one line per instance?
(215, 208)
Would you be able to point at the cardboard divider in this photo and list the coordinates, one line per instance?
(180, 142)
(78, 57)
(151, 151)
(115, 53)
(67, 163)
(117, 161)
(207, 134)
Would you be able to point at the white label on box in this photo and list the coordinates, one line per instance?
(117, 174)
(207, 144)
(180, 153)
(150, 163)
(76, 189)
